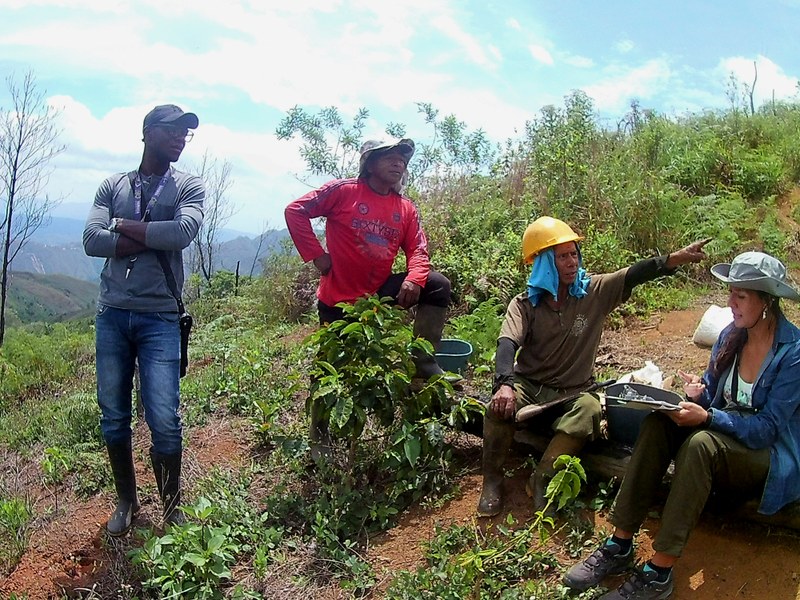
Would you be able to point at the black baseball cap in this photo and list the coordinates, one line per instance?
(172, 115)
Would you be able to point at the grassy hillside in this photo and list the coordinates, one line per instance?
(50, 298)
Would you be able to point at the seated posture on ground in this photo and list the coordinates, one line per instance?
(555, 325)
(367, 222)
(738, 431)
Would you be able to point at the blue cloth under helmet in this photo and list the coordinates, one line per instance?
(544, 277)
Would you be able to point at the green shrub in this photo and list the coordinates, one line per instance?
(773, 239)
(389, 445)
(193, 559)
(39, 359)
(64, 422)
(481, 328)
(15, 517)
(363, 368)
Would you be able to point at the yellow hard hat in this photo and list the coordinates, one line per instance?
(543, 233)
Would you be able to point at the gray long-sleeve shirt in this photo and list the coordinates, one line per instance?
(175, 220)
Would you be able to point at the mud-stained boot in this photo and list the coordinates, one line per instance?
(318, 434)
(167, 469)
(561, 443)
(121, 458)
(429, 324)
(497, 439)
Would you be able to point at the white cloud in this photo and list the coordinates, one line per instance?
(624, 46)
(99, 6)
(541, 54)
(625, 83)
(582, 62)
(771, 77)
(513, 24)
(450, 28)
(495, 52)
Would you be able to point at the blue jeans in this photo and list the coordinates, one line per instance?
(121, 338)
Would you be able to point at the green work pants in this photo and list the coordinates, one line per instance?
(702, 458)
(579, 418)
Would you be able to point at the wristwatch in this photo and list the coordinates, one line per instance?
(114, 222)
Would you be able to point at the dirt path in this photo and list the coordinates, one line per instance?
(69, 554)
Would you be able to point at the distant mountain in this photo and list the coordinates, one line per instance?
(248, 251)
(58, 249)
(58, 259)
(66, 230)
(33, 297)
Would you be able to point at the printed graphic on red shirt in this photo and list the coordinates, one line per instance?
(364, 232)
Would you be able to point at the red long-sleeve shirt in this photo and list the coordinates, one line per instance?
(364, 232)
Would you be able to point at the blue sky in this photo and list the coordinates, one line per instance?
(240, 65)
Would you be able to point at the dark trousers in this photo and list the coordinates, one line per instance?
(702, 458)
(436, 292)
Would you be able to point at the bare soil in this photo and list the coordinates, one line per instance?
(69, 555)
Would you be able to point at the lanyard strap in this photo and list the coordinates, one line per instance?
(171, 283)
(137, 194)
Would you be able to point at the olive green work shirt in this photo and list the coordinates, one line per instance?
(558, 347)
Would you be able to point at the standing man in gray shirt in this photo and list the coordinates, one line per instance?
(140, 223)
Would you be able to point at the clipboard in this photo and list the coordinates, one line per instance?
(644, 397)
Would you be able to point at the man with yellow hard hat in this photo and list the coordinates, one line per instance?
(553, 330)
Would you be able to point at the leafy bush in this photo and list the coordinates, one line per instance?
(363, 368)
(481, 328)
(39, 359)
(66, 421)
(15, 517)
(389, 444)
(192, 560)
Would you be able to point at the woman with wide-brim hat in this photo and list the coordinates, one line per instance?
(738, 431)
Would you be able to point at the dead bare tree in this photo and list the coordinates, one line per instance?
(265, 231)
(28, 142)
(751, 90)
(218, 209)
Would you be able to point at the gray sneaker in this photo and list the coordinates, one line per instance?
(606, 560)
(642, 585)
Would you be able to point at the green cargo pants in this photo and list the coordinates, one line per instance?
(579, 417)
(703, 459)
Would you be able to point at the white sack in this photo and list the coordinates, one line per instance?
(715, 319)
(649, 374)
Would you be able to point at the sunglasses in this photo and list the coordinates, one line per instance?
(176, 132)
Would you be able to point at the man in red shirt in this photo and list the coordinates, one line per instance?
(367, 222)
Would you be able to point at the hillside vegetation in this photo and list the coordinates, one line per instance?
(49, 298)
(279, 526)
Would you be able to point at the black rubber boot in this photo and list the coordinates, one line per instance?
(167, 469)
(318, 434)
(561, 443)
(497, 439)
(428, 324)
(121, 458)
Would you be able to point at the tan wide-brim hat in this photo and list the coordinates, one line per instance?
(756, 271)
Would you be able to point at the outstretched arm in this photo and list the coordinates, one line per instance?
(693, 253)
(652, 268)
